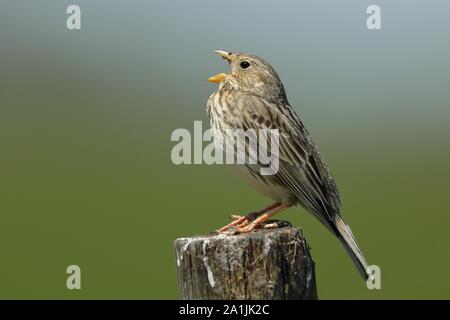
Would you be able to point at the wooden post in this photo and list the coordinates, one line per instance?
(264, 264)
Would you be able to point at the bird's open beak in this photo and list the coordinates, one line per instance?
(220, 76)
(224, 54)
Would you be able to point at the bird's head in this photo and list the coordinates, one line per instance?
(252, 74)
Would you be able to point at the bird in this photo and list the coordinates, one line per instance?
(252, 96)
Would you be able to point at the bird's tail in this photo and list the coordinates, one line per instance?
(348, 240)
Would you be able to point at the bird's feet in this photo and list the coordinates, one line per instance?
(238, 222)
(247, 226)
(268, 224)
(255, 220)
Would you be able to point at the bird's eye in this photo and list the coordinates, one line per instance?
(244, 64)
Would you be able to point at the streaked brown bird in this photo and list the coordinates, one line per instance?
(252, 96)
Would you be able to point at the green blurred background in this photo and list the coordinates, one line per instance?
(86, 117)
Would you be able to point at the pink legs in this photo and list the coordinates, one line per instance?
(254, 220)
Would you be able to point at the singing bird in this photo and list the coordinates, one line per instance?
(252, 96)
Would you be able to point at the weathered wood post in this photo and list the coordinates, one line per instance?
(264, 264)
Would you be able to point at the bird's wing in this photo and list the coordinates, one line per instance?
(301, 167)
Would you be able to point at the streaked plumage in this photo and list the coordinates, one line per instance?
(254, 98)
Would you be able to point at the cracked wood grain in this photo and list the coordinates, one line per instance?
(265, 264)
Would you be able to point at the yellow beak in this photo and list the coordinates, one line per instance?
(217, 78)
(220, 76)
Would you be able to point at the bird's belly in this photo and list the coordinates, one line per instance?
(265, 186)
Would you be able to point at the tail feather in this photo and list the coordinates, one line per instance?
(348, 240)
